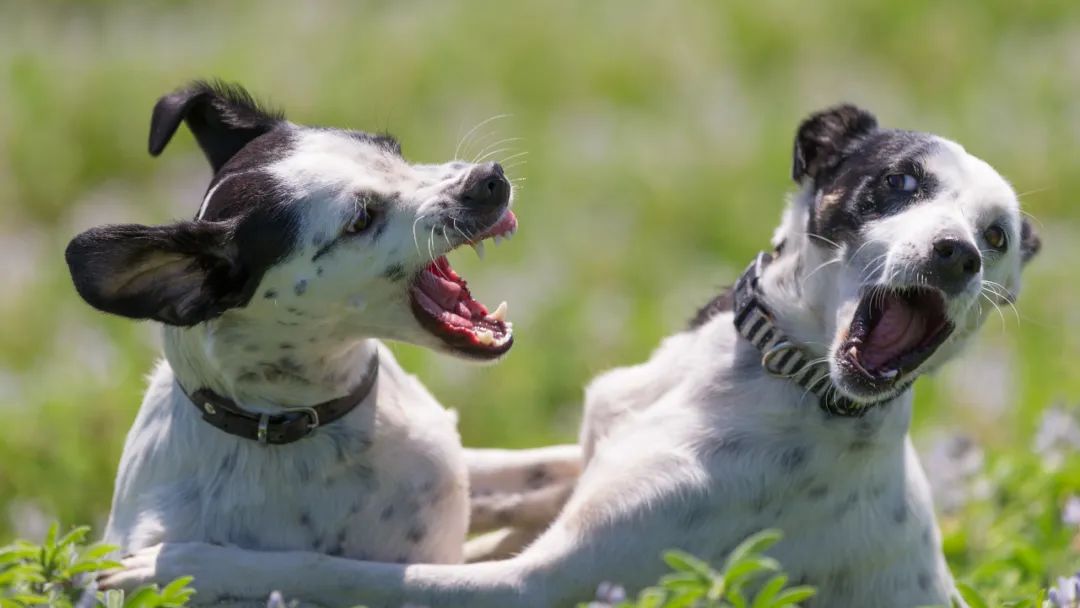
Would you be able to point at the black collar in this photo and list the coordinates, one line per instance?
(780, 356)
(277, 429)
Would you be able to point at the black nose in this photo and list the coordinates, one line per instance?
(486, 187)
(953, 264)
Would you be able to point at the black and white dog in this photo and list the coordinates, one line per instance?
(277, 420)
(786, 404)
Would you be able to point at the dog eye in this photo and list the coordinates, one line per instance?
(360, 222)
(902, 182)
(995, 237)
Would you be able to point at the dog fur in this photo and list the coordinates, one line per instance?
(698, 447)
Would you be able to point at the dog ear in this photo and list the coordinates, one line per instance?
(823, 138)
(1030, 243)
(223, 117)
(179, 274)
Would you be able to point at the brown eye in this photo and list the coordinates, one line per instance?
(359, 223)
(995, 237)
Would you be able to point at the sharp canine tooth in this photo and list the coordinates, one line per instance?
(497, 238)
(890, 374)
(478, 247)
(500, 312)
(853, 352)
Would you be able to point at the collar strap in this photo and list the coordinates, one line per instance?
(277, 429)
(781, 357)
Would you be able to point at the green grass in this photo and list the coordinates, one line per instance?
(658, 139)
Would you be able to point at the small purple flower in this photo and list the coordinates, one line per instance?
(1066, 594)
(607, 595)
(1058, 435)
(954, 466)
(1070, 514)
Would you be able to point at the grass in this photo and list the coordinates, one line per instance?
(658, 139)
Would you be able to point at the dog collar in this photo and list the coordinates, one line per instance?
(277, 429)
(781, 357)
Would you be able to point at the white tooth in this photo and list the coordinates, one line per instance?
(853, 352)
(478, 247)
(500, 313)
(485, 337)
(509, 233)
(497, 238)
(889, 375)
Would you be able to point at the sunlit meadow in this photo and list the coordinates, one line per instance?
(650, 146)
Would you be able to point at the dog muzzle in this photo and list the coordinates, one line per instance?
(782, 357)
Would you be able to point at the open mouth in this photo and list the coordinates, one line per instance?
(893, 332)
(442, 303)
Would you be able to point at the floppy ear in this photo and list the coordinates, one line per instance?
(1030, 243)
(179, 274)
(823, 138)
(223, 117)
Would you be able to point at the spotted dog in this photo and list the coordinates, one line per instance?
(277, 420)
(786, 404)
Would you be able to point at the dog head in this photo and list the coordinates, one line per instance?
(325, 227)
(898, 239)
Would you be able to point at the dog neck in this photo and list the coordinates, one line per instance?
(267, 369)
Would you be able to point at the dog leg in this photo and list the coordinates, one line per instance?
(500, 544)
(600, 536)
(493, 471)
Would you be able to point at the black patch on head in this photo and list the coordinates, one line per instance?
(725, 302)
(855, 191)
(223, 117)
(300, 287)
(382, 140)
(394, 272)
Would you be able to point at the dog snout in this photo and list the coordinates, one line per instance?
(486, 187)
(954, 262)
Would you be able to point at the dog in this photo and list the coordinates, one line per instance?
(785, 404)
(277, 420)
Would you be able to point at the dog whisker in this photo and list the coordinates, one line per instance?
(469, 134)
(503, 141)
(492, 153)
(823, 239)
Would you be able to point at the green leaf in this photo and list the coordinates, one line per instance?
(684, 562)
(794, 595)
(754, 545)
(972, 597)
(764, 598)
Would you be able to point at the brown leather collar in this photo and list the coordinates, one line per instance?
(277, 429)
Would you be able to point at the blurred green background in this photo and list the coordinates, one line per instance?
(658, 141)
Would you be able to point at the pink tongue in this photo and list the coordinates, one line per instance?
(900, 329)
(442, 292)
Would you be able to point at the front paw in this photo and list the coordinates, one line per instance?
(161, 564)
